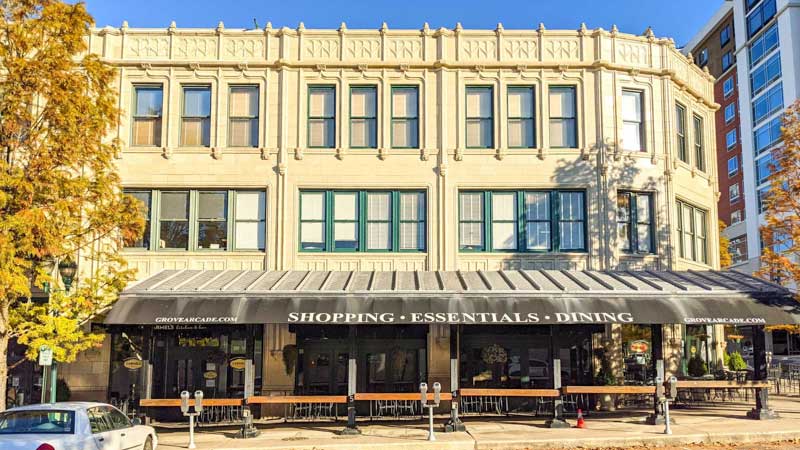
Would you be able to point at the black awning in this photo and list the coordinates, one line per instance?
(509, 297)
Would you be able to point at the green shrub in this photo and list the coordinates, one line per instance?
(697, 367)
(736, 362)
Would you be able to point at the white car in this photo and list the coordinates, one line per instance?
(73, 426)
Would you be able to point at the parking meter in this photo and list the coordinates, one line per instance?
(185, 402)
(423, 390)
(198, 401)
(659, 387)
(198, 408)
(673, 387)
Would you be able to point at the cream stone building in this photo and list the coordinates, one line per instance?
(374, 151)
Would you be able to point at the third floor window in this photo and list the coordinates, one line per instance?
(196, 116)
(480, 117)
(321, 117)
(148, 102)
(632, 123)
(405, 117)
(563, 117)
(521, 124)
(363, 117)
(243, 112)
(680, 131)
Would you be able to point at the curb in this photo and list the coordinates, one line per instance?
(656, 441)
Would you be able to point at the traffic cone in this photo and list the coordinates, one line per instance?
(581, 423)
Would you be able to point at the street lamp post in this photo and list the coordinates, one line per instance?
(67, 268)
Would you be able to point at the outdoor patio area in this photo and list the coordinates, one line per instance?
(721, 422)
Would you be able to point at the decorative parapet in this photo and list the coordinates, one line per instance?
(412, 49)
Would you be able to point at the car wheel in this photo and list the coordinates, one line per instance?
(148, 444)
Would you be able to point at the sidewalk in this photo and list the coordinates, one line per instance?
(724, 424)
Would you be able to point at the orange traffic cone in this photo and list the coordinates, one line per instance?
(581, 423)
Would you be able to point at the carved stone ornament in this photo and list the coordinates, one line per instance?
(166, 152)
(298, 153)
(216, 153)
(340, 153)
(500, 153)
(383, 153)
(264, 153)
(459, 154)
(424, 154)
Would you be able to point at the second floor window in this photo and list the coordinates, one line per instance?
(363, 117)
(381, 221)
(148, 103)
(321, 117)
(692, 233)
(521, 125)
(635, 222)
(522, 221)
(680, 131)
(480, 117)
(632, 123)
(145, 199)
(196, 117)
(405, 117)
(563, 117)
(699, 148)
(243, 111)
(202, 220)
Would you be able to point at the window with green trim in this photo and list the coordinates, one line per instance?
(699, 148)
(635, 222)
(680, 132)
(480, 117)
(147, 115)
(363, 117)
(196, 116)
(692, 233)
(145, 203)
(405, 117)
(202, 220)
(521, 124)
(362, 221)
(321, 116)
(563, 117)
(522, 221)
(243, 116)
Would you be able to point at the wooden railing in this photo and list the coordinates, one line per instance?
(468, 392)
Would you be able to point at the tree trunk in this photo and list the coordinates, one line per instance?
(3, 369)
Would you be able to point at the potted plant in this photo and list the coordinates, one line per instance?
(697, 367)
(735, 362)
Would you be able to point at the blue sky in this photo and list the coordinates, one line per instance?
(678, 19)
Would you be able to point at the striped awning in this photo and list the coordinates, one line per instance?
(454, 297)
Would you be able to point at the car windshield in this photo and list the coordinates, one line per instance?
(37, 422)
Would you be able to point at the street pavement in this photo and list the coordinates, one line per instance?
(713, 427)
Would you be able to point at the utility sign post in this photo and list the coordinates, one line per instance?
(45, 356)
